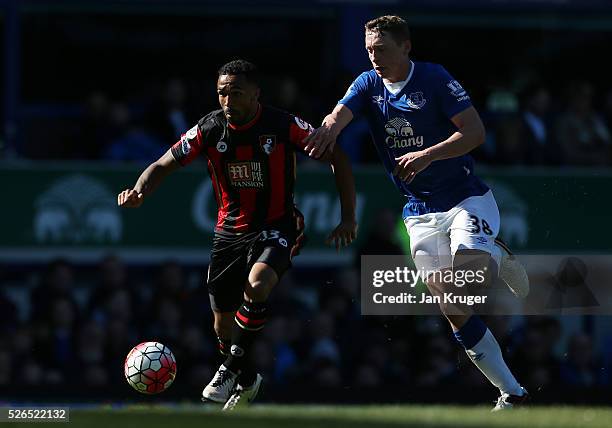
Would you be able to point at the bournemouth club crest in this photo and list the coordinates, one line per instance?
(267, 143)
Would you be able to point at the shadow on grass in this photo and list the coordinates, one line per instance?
(252, 420)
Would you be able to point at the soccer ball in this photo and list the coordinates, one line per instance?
(150, 367)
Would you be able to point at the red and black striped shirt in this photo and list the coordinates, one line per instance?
(252, 167)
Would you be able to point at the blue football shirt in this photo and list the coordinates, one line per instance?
(417, 117)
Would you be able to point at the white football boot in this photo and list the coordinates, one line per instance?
(512, 272)
(221, 386)
(243, 397)
(508, 401)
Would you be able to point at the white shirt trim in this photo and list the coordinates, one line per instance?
(396, 87)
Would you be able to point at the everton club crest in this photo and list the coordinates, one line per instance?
(416, 100)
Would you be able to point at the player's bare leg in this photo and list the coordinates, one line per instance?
(262, 280)
(471, 332)
(249, 321)
(223, 328)
(224, 381)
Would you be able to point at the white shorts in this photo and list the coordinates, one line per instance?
(472, 224)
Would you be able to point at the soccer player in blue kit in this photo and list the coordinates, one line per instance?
(423, 125)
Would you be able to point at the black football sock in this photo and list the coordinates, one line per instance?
(248, 322)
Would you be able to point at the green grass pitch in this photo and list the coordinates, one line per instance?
(292, 416)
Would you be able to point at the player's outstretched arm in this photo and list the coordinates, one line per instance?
(324, 137)
(346, 232)
(148, 181)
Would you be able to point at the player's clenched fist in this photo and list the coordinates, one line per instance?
(130, 198)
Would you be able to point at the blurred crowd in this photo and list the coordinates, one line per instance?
(68, 326)
(531, 125)
(538, 127)
(137, 128)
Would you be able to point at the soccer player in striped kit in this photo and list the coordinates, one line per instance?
(250, 151)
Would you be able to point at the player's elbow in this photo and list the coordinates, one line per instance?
(481, 137)
(167, 162)
(479, 133)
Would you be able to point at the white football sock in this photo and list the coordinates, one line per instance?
(487, 356)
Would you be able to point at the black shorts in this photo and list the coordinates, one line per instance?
(233, 256)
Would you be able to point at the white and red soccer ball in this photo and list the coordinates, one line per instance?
(150, 367)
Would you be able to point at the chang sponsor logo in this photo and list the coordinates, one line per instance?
(400, 134)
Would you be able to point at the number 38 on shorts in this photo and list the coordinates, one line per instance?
(479, 225)
(472, 224)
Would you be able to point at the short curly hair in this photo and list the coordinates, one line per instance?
(396, 26)
(241, 67)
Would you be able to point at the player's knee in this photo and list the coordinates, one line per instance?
(452, 310)
(261, 281)
(258, 290)
(440, 285)
(437, 289)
